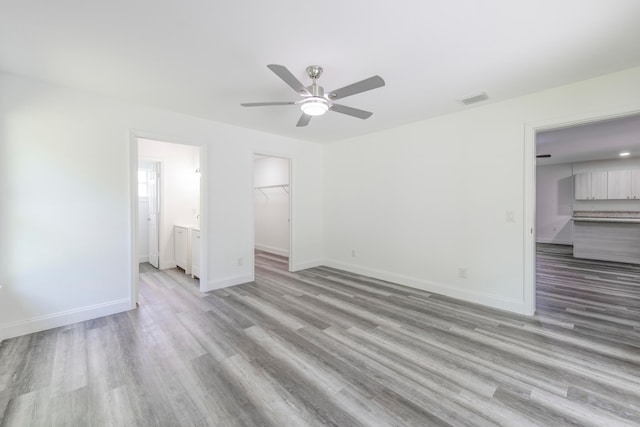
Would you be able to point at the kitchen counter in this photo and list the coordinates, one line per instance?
(607, 236)
(605, 216)
(183, 225)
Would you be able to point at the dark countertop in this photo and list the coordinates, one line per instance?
(607, 216)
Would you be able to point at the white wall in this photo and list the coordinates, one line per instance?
(180, 198)
(554, 204)
(419, 201)
(271, 205)
(65, 211)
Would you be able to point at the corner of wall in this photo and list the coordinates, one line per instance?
(226, 282)
(308, 264)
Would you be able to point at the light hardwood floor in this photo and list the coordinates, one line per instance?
(325, 347)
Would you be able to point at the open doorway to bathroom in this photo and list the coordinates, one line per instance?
(168, 236)
(272, 210)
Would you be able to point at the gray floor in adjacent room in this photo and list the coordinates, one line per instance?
(324, 347)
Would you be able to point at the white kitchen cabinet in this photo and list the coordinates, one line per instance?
(583, 186)
(635, 184)
(619, 185)
(181, 247)
(591, 186)
(599, 185)
(624, 184)
(195, 253)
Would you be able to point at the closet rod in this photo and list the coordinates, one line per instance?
(271, 186)
(285, 187)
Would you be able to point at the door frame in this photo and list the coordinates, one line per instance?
(291, 201)
(160, 195)
(134, 135)
(529, 205)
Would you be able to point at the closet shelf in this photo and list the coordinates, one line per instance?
(285, 187)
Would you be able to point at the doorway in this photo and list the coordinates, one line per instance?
(168, 194)
(149, 212)
(532, 132)
(272, 208)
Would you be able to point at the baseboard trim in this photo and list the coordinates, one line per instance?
(225, 282)
(494, 301)
(167, 265)
(272, 249)
(308, 264)
(143, 259)
(553, 241)
(63, 318)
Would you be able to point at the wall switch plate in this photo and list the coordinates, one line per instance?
(353, 253)
(240, 262)
(462, 273)
(511, 216)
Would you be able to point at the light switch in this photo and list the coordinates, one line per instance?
(511, 217)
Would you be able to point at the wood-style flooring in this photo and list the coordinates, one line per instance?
(325, 347)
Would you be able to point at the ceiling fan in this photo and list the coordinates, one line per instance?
(314, 102)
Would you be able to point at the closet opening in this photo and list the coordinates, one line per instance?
(272, 210)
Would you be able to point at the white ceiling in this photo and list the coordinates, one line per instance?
(204, 58)
(594, 141)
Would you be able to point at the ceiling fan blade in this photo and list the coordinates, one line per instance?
(543, 156)
(304, 120)
(361, 86)
(282, 72)
(264, 104)
(361, 114)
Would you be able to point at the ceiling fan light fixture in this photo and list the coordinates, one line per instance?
(315, 106)
(314, 102)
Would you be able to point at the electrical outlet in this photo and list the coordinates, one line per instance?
(462, 273)
(240, 262)
(353, 253)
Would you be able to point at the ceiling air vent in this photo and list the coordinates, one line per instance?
(474, 99)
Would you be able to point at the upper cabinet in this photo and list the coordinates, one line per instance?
(591, 186)
(635, 184)
(624, 184)
(599, 185)
(583, 186)
(619, 185)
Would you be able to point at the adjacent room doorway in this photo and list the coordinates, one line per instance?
(530, 163)
(272, 208)
(168, 195)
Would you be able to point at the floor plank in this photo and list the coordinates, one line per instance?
(327, 347)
